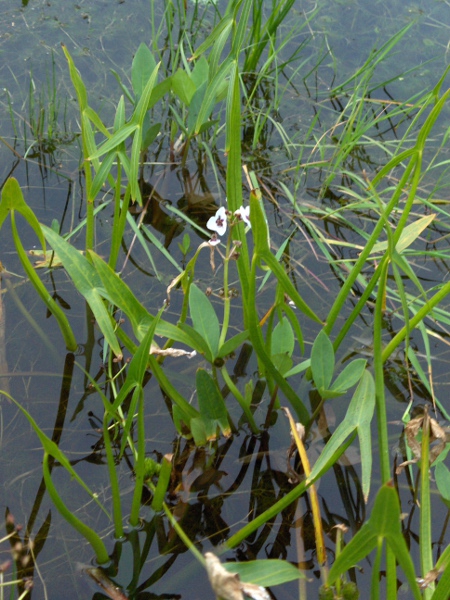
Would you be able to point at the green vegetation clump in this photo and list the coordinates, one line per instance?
(213, 96)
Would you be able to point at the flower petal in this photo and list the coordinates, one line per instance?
(243, 214)
(218, 222)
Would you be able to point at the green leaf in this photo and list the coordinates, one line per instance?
(51, 449)
(408, 235)
(144, 100)
(224, 25)
(359, 416)
(282, 362)
(142, 67)
(212, 406)
(283, 338)
(115, 140)
(195, 107)
(230, 345)
(76, 81)
(384, 523)
(204, 318)
(12, 199)
(268, 572)
(260, 229)
(149, 134)
(87, 282)
(183, 86)
(211, 93)
(349, 376)
(442, 475)
(322, 361)
(200, 72)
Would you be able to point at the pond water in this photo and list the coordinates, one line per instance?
(215, 489)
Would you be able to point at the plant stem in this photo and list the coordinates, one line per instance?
(101, 553)
(240, 398)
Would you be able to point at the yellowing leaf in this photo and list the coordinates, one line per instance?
(408, 236)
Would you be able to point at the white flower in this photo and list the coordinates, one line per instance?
(219, 221)
(243, 214)
(214, 240)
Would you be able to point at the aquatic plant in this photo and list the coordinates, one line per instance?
(204, 96)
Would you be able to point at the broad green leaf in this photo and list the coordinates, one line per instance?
(322, 361)
(150, 134)
(142, 67)
(204, 318)
(144, 100)
(200, 72)
(355, 551)
(195, 107)
(350, 376)
(118, 293)
(161, 89)
(211, 405)
(282, 362)
(183, 86)
(87, 282)
(197, 427)
(210, 96)
(283, 341)
(442, 475)
(268, 572)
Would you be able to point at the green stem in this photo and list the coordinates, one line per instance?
(414, 320)
(139, 464)
(240, 398)
(226, 295)
(426, 555)
(101, 553)
(163, 484)
(120, 218)
(258, 343)
(345, 290)
(379, 378)
(115, 489)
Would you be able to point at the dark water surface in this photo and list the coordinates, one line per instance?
(218, 488)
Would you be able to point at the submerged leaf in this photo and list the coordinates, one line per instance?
(212, 406)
